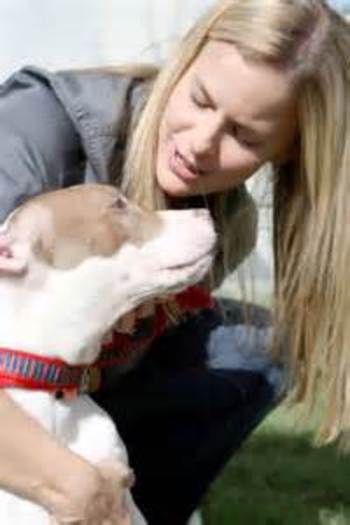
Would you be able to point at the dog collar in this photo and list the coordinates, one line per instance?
(25, 370)
(31, 371)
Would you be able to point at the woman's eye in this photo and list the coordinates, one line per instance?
(237, 133)
(199, 101)
(249, 143)
(246, 142)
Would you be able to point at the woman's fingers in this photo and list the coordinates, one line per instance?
(145, 310)
(165, 299)
(127, 323)
(118, 479)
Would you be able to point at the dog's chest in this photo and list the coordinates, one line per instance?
(80, 424)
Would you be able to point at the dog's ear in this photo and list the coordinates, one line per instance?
(14, 256)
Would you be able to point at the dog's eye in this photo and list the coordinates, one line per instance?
(120, 203)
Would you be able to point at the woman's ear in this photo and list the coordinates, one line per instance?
(13, 258)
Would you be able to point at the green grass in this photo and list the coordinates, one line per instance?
(279, 478)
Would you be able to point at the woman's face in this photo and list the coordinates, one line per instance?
(225, 118)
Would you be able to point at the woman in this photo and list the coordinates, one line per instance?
(254, 81)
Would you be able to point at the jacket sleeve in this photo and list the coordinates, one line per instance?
(40, 149)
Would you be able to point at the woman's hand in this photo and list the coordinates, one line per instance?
(93, 496)
(35, 466)
(127, 323)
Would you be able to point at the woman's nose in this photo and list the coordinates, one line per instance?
(206, 138)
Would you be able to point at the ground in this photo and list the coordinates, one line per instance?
(279, 478)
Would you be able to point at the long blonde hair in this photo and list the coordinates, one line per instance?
(312, 236)
(311, 213)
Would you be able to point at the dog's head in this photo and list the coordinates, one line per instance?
(84, 256)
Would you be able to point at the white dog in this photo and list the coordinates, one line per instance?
(71, 263)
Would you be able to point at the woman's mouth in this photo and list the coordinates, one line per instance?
(181, 167)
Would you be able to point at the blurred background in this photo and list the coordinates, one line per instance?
(60, 34)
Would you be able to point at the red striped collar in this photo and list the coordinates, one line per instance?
(25, 370)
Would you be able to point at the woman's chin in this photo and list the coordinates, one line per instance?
(174, 186)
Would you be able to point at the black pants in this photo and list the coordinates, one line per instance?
(188, 406)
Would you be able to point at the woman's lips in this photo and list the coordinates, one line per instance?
(180, 167)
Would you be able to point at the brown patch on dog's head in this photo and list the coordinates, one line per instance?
(69, 225)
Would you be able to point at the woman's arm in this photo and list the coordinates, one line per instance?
(35, 466)
(40, 148)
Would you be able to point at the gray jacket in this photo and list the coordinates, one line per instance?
(60, 129)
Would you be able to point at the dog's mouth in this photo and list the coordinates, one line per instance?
(203, 257)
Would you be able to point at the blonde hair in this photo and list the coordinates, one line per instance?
(312, 238)
(311, 213)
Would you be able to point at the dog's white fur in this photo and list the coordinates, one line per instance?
(63, 307)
